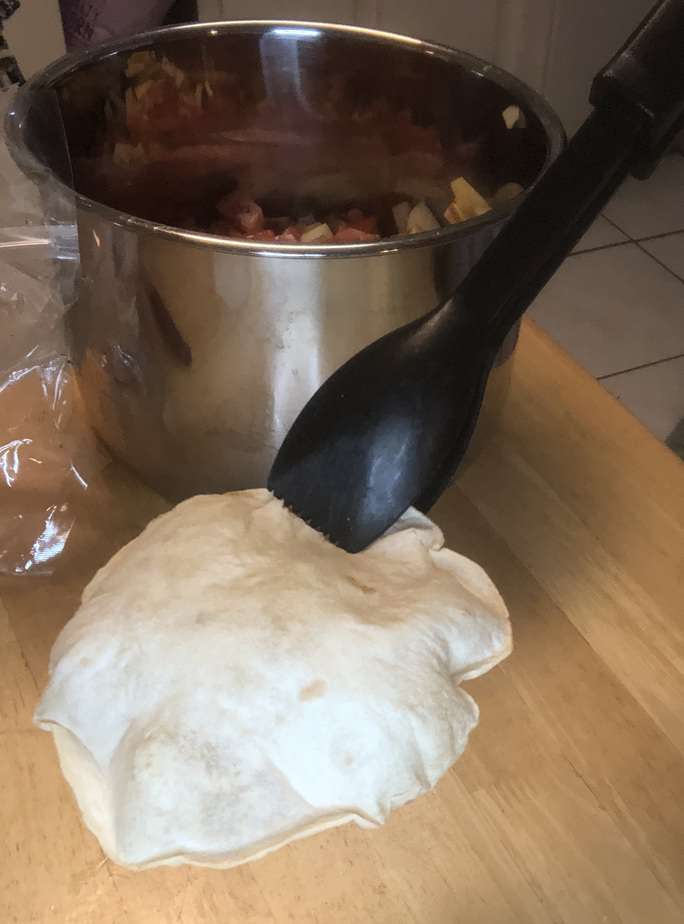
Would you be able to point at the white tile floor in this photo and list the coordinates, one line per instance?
(617, 303)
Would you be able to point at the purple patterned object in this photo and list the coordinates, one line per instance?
(90, 22)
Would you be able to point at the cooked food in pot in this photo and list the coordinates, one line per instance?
(198, 147)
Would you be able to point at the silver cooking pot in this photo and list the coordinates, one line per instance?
(195, 351)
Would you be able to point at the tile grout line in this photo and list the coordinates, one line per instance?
(618, 228)
(647, 237)
(638, 242)
(659, 262)
(579, 253)
(657, 237)
(654, 362)
(630, 240)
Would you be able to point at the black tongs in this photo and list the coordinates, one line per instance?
(390, 427)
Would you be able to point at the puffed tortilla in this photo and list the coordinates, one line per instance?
(232, 682)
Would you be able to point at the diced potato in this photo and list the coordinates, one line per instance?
(505, 193)
(401, 213)
(513, 117)
(318, 234)
(128, 155)
(139, 61)
(175, 72)
(143, 88)
(421, 219)
(469, 203)
(453, 214)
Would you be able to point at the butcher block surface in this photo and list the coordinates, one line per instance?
(568, 805)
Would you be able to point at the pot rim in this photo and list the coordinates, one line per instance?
(70, 63)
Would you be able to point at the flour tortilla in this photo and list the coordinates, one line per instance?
(232, 681)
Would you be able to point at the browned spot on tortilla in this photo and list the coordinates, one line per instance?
(364, 587)
(313, 690)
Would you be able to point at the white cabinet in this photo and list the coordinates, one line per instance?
(344, 11)
(554, 45)
(583, 37)
(465, 24)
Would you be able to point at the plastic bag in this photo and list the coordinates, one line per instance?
(47, 454)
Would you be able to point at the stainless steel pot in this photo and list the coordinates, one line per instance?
(194, 351)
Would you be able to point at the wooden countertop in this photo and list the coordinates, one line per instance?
(568, 805)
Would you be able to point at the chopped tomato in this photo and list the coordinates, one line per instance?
(246, 214)
(368, 223)
(291, 234)
(265, 235)
(351, 235)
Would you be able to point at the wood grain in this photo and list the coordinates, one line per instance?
(568, 805)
